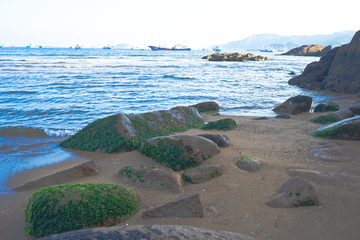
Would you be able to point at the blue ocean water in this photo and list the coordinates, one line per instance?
(48, 94)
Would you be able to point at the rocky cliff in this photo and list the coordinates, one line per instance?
(337, 71)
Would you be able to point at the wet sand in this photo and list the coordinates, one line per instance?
(237, 196)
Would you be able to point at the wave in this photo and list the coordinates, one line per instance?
(30, 132)
(175, 77)
(19, 92)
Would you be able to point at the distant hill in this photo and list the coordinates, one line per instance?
(284, 43)
(124, 46)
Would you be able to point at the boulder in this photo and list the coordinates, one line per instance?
(202, 173)
(326, 107)
(309, 50)
(90, 168)
(294, 105)
(295, 192)
(121, 132)
(330, 152)
(235, 57)
(149, 232)
(355, 109)
(154, 178)
(338, 180)
(179, 152)
(206, 106)
(219, 139)
(182, 207)
(347, 129)
(222, 124)
(333, 116)
(337, 71)
(246, 163)
(68, 207)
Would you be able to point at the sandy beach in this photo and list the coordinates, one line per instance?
(236, 200)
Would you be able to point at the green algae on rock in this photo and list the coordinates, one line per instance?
(202, 173)
(121, 132)
(348, 129)
(68, 207)
(222, 124)
(326, 106)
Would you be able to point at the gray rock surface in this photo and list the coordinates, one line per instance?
(330, 152)
(295, 192)
(294, 105)
(220, 139)
(149, 232)
(250, 166)
(202, 173)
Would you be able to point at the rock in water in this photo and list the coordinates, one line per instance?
(126, 132)
(184, 206)
(154, 178)
(309, 50)
(347, 129)
(149, 232)
(295, 105)
(181, 151)
(295, 192)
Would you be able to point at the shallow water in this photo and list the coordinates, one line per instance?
(48, 94)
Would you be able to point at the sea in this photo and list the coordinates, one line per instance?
(48, 94)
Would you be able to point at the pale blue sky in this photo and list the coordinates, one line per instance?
(148, 22)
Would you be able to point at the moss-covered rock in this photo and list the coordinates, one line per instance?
(222, 124)
(348, 129)
(247, 163)
(202, 173)
(206, 106)
(68, 207)
(179, 152)
(333, 116)
(126, 132)
(326, 107)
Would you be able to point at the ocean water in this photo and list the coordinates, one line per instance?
(48, 94)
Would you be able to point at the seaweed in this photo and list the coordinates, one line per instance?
(222, 124)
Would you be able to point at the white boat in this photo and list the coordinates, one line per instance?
(78, 46)
(32, 46)
(109, 46)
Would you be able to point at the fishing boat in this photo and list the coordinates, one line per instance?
(108, 46)
(217, 49)
(266, 50)
(78, 46)
(32, 46)
(177, 47)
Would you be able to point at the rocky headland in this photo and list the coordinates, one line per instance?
(338, 71)
(314, 50)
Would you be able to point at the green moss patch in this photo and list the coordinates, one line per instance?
(103, 134)
(165, 153)
(130, 174)
(194, 179)
(68, 207)
(331, 107)
(325, 119)
(244, 159)
(222, 124)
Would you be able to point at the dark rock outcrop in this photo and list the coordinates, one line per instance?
(295, 192)
(238, 57)
(155, 178)
(219, 139)
(202, 173)
(337, 71)
(309, 50)
(206, 106)
(149, 232)
(326, 107)
(179, 152)
(90, 168)
(333, 116)
(355, 109)
(347, 129)
(295, 105)
(182, 207)
(126, 132)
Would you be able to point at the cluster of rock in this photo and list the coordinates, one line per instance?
(337, 71)
(237, 57)
(309, 50)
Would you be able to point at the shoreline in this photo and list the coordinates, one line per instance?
(237, 196)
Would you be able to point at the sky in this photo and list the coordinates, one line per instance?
(195, 23)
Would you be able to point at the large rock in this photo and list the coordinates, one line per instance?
(90, 168)
(181, 151)
(309, 50)
(333, 116)
(246, 163)
(206, 106)
(219, 139)
(338, 180)
(154, 178)
(355, 109)
(347, 129)
(202, 173)
(182, 207)
(295, 192)
(149, 232)
(295, 105)
(235, 57)
(126, 132)
(221, 124)
(68, 207)
(326, 107)
(330, 152)
(337, 71)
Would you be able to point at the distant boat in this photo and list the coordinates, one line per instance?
(177, 47)
(108, 46)
(78, 46)
(217, 49)
(266, 50)
(32, 46)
